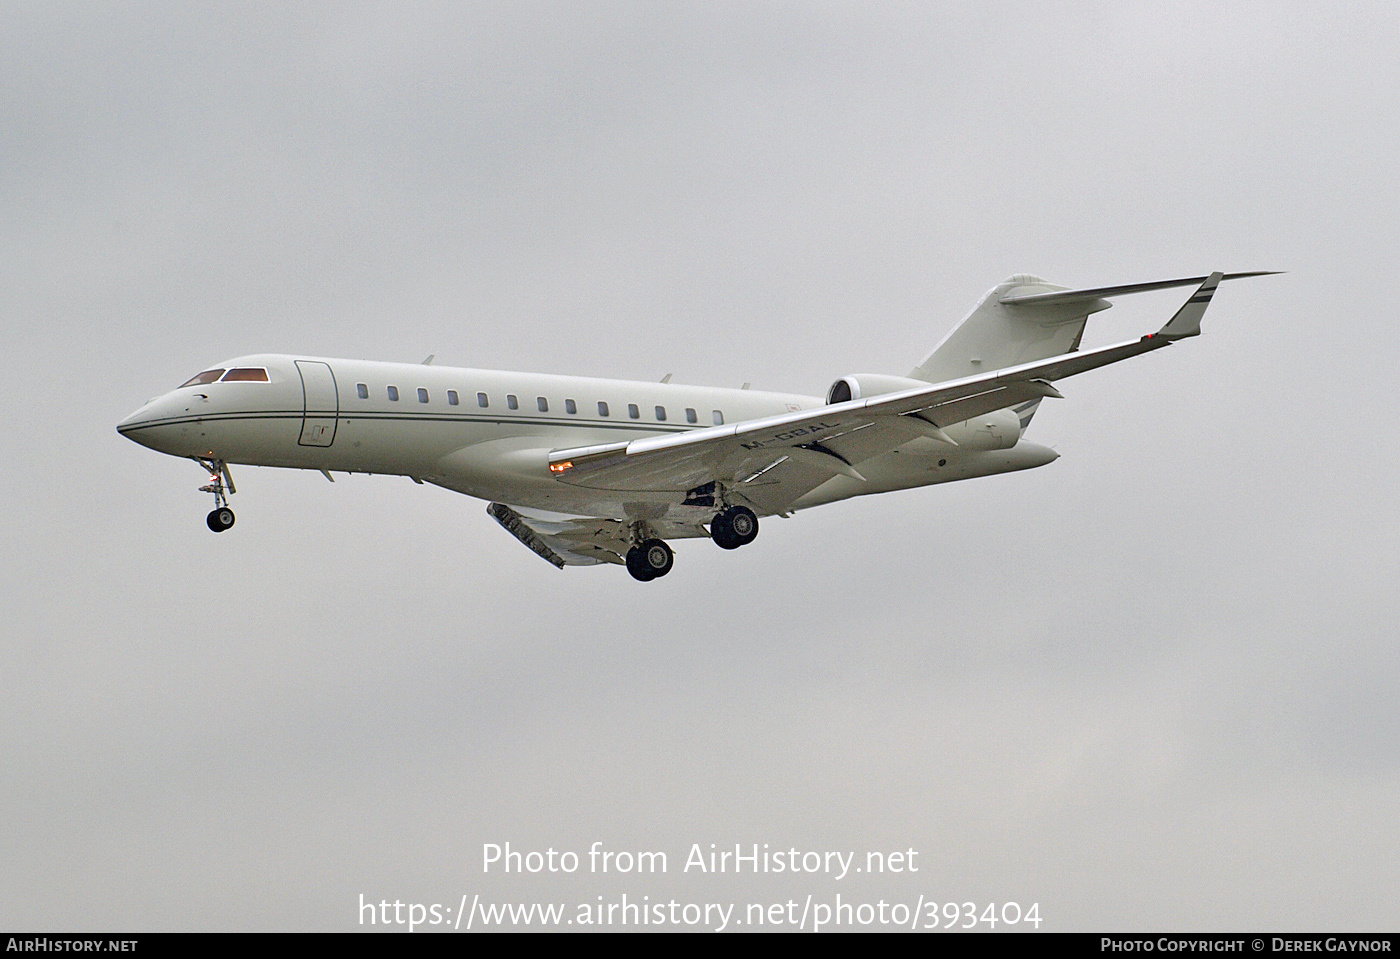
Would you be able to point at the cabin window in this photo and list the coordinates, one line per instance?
(690, 416)
(362, 391)
(208, 376)
(394, 393)
(245, 375)
(451, 397)
(542, 403)
(602, 408)
(661, 413)
(570, 406)
(512, 402)
(719, 417)
(482, 401)
(633, 412)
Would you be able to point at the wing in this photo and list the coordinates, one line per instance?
(774, 460)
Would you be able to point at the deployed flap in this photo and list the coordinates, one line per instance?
(581, 541)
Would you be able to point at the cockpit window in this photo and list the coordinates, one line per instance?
(208, 376)
(245, 375)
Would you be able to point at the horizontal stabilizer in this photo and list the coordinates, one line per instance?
(1104, 292)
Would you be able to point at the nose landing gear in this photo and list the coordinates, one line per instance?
(220, 481)
(220, 519)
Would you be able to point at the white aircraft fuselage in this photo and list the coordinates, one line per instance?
(586, 471)
(310, 415)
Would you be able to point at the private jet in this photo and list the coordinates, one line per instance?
(588, 471)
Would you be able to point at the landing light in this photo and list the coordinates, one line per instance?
(561, 467)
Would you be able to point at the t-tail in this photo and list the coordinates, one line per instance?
(1026, 318)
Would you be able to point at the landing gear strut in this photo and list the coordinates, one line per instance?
(220, 482)
(734, 527)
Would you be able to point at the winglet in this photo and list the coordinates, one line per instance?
(1187, 321)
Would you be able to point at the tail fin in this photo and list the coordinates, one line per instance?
(1025, 318)
(997, 334)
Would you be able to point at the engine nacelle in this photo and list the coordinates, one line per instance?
(860, 386)
(999, 430)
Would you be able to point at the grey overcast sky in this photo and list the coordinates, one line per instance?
(1150, 686)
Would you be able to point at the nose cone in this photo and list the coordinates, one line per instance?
(150, 427)
(133, 420)
(131, 426)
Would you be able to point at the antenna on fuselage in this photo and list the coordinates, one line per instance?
(429, 360)
(667, 378)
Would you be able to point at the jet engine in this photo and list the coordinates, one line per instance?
(861, 386)
(999, 430)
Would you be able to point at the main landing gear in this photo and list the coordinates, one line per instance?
(650, 559)
(734, 527)
(220, 483)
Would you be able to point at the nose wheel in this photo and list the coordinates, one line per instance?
(220, 519)
(734, 527)
(220, 484)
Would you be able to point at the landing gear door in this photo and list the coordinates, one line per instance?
(322, 403)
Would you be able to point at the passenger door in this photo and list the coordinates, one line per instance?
(321, 403)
